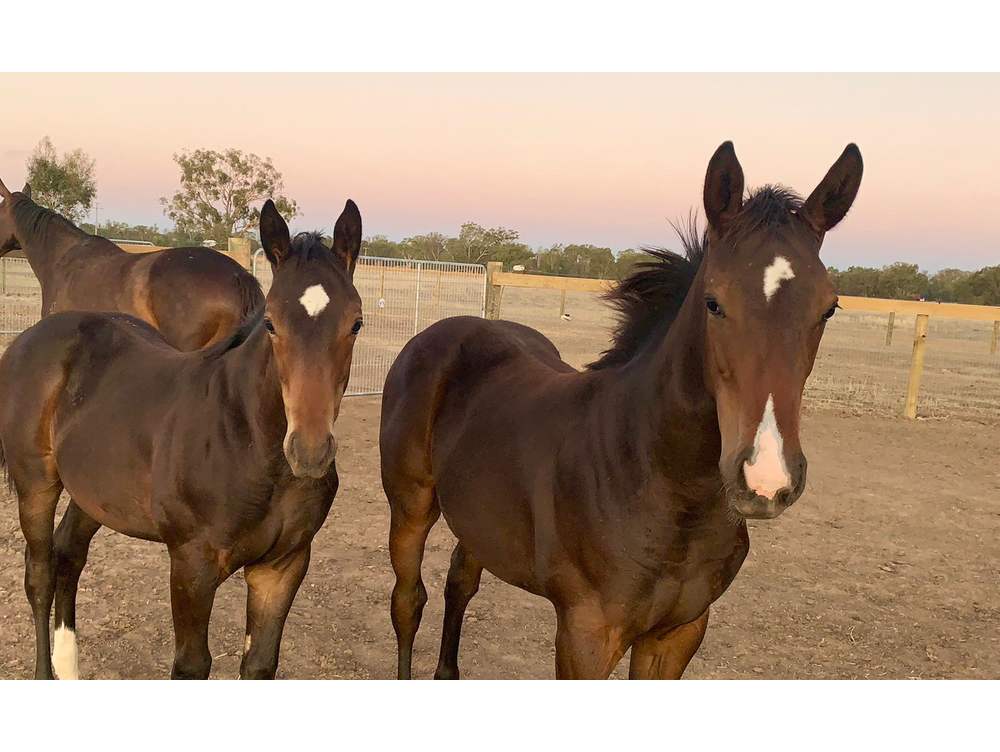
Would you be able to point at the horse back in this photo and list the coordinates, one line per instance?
(197, 296)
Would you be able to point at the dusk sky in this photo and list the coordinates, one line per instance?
(589, 158)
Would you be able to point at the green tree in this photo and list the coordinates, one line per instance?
(943, 286)
(626, 261)
(430, 247)
(65, 185)
(380, 245)
(221, 193)
(477, 245)
(981, 287)
(902, 281)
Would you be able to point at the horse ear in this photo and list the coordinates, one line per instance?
(274, 236)
(26, 190)
(723, 188)
(828, 204)
(4, 193)
(347, 235)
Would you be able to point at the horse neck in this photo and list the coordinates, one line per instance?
(671, 416)
(44, 245)
(250, 378)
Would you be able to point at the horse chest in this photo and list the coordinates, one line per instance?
(700, 572)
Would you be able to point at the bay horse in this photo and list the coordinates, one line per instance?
(194, 296)
(619, 493)
(225, 454)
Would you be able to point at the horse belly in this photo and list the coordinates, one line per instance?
(500, 537)
(108, 481)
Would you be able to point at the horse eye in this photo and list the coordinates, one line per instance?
(357, 326)
(713, 307)
(829, 314)
(269, 325)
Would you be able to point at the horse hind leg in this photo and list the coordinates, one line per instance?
(37, 509)
(463, 583)
(72, 543)
(414, 510)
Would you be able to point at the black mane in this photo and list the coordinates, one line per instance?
(239, 335)
(36, 220)
(768, 206)
(309, 246)
(652, 294)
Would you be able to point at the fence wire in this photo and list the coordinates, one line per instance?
(856, 369)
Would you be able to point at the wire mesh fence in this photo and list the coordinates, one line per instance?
(400, 297)
(860, 367)
(21, 297)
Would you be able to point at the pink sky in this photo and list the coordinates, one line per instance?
(592, 158)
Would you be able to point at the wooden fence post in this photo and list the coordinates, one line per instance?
(888, 331)
(996, 337)
(916, 365)
(492, 291)
(562, 304)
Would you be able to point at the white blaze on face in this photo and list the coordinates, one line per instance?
(765, 472)
(775, 274)
(314, 300)
(65, 661)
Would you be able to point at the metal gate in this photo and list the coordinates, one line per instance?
(400, 297)
(21, 296)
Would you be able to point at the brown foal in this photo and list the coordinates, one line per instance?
(225, 455)
(194, 296)
(619, 493)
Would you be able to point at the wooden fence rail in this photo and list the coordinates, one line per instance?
(497, 280)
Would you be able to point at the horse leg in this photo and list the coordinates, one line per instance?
(587, 647)
(463, 583)
(413, 514)
(37, 511)
(194, 578)
(665, 653)
(271, 588)
(72, 542)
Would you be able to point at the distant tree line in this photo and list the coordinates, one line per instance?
(905, 281)
(220, 194)
(476, 244)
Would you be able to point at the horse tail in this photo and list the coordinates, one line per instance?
(251, 294)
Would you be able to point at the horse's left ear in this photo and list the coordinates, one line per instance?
(26, 190)
(347, 235)
(274, 236)
(828, 204)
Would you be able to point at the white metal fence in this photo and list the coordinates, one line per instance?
(21, 296)
(400, 297)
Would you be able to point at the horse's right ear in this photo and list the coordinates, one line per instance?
(723, 188)
(274, 236)
(26, 190)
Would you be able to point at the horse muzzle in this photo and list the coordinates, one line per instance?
(310, 459)
(766, 498)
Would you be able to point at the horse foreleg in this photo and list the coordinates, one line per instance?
(587, 647)
(271, 588)
(194, 578)
(72, 542)
(665, 653)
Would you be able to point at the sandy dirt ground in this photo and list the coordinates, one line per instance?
(887, 567)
